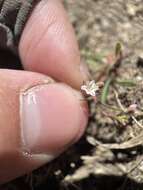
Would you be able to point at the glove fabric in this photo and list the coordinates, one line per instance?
(13, 16)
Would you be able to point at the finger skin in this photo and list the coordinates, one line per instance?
(48, 44)
(53, 138)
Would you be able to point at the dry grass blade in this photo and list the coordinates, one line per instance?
(134, 142)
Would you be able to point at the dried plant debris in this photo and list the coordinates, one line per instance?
(116, 126)
(132, 169)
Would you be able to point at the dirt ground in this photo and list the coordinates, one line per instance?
(110, 155)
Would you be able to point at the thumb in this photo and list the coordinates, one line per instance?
(34, 130)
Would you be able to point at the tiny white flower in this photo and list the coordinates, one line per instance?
(90, 87)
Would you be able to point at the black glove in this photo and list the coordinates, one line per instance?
(13, 16)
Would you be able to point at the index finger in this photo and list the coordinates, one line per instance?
(48, 44)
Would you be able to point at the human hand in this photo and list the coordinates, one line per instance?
(40, 118)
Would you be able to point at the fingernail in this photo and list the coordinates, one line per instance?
(52, 118)
(85, 72)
